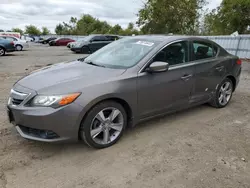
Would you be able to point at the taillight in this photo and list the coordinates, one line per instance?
(239, 62)
(12, 43)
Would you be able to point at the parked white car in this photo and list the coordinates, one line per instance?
(71, 44)
(19, 43)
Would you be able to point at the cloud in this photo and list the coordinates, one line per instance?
(18, 13)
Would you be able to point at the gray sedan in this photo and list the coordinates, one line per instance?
(133, 79)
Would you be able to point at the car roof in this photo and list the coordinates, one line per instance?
(168, 38)
(7, 36)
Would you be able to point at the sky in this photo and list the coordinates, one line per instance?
(18, 13)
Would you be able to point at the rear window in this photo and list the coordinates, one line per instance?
(203, 50)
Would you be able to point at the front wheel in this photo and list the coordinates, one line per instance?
(103, 125)
(223, 94)
(85, 50)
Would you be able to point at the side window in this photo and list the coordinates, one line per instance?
(112, 38)
(14, 39)
(9, 38)
(99, 38)
(203, 50)
(173, 54)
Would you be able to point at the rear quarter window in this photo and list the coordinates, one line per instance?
(204, 50)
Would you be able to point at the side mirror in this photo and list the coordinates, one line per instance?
(158, 66)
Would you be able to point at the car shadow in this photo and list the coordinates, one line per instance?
(157, 122)
(162, 120)
(8, 55)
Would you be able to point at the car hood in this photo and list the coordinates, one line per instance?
(68, 74)
(82, 43)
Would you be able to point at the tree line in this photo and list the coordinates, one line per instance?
(164, 17)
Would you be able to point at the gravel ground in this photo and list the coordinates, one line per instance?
(201, 147)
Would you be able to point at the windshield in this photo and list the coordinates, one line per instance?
(88, 38)
(123, 53)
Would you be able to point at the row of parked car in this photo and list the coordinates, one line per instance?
(88, 44)
(11, 43)
(92, 43)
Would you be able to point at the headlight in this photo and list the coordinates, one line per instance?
(54, 101)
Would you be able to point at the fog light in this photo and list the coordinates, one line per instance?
(48, 135)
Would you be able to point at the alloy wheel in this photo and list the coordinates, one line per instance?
(106, 126)
(18, 48)
(1, 52)
(225, 93)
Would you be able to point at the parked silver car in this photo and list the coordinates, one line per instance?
(95, 98)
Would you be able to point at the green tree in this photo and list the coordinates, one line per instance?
(32, 30)
(45, 31)
(131, 26)
(18, 30)
(117, 29)
(86, 24)
(59, 29)
(230, 16)
(130, 30)
(170, 16)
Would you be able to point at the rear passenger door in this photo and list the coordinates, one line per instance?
(209, 70)
(66, 41)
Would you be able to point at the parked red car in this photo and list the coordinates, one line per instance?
(61, 42)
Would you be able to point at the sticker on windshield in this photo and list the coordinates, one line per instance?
(145, 43)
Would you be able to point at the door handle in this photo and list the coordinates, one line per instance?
(186, 77)
(219, 68)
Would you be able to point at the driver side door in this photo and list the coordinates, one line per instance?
(168, 91)
(97, 43)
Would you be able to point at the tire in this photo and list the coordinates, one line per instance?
(223, 94)
(96, 129)
(85, 50)
(19, 47)
(2, 51)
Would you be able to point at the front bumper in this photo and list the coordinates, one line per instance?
(46, 124)
(75, 49)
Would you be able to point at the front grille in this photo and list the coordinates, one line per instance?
(16, 101)
(45, 134)
(16, 98)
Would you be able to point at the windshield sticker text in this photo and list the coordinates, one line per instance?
(145, 43)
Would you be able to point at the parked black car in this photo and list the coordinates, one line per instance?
(46, 41)
(93, 43)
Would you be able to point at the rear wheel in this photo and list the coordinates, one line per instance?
(19, 47)
(104, 125)
(223, 94)
(2, 51)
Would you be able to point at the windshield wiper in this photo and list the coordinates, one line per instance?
(91, 63)
(81, 59)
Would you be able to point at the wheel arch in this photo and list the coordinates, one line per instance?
(119, 100)
(18, 45)
(87, 47)
(3, 47)
(233, 79)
